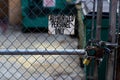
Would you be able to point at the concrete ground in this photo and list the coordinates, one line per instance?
(37, 67)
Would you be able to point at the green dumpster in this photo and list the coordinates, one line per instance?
(35, 12)
(104, 29)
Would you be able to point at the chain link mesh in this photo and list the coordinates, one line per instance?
(32, 67)
(23, 27)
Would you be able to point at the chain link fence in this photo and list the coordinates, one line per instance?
(28, 27)
(25, 28)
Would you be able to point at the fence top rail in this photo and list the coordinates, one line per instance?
(42, 52)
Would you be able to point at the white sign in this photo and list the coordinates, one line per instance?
(61, 24)
(49, 3)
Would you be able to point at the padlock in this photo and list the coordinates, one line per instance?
(86, 61)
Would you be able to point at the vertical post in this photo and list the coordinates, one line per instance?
(99, 19)
(118, 59)
(81, 31)
(118, 51)
(93, 19)
(112, 37)
(98, 31)
(81, 28)
(113, 11)
(113, 31)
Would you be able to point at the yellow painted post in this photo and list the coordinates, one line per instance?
(81, 31)
(81, 28)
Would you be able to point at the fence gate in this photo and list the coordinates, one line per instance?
(37, 42)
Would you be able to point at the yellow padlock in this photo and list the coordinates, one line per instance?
(86, 61)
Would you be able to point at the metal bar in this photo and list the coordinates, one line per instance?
(108, 67)
(98, 32)
(99, 19)
(118, 59)
(119, 19)
(93, 20)
(113, 31)
(42, 52)
(112, 23)
(118, 50)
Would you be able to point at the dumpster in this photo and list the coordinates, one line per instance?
(105, 25)
(104, 37)
(35, 12)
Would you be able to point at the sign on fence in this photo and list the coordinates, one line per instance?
(61, 24)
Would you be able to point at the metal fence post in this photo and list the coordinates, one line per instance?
(112, 38)
(99, 19)
(81, 28)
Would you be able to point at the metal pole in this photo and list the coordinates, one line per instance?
(98, 31)
(93, 20)
(108, 67)
(112, 37)
(99, 19)
(112, 23)
(42, 52)
(113, 31)
(118, 49)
